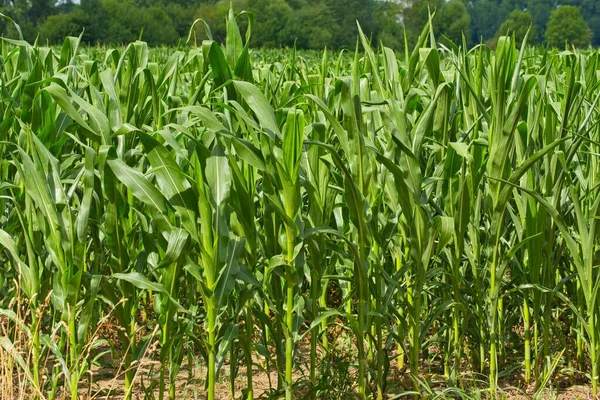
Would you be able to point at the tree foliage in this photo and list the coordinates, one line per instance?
(305, 23)
(567, 26)
(453, 21)
(517, 25)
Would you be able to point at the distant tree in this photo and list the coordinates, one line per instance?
(540, 13)
(593, 21)
(311, 27)
(214, 15)
(452, 20)
(181, 15)
(65, 6)
(415, 15)
(486, 17)
(40, 9)
(298, 4)
(308, 23)
(123, 21)
(97, 23)
(567, 26)
(590, 9)
(158, 28)
(18, 10)
(389, 30)
(517, 25)
(345, 14)
(270, 20)
(57, 27)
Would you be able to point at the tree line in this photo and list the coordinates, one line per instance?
(308, 24)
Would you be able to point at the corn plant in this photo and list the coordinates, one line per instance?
(433, 212)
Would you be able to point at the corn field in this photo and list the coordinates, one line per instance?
(227, 213)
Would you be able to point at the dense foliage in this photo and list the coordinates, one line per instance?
(567, 26)
(309, 24)
(518, 24)
(430, 214)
